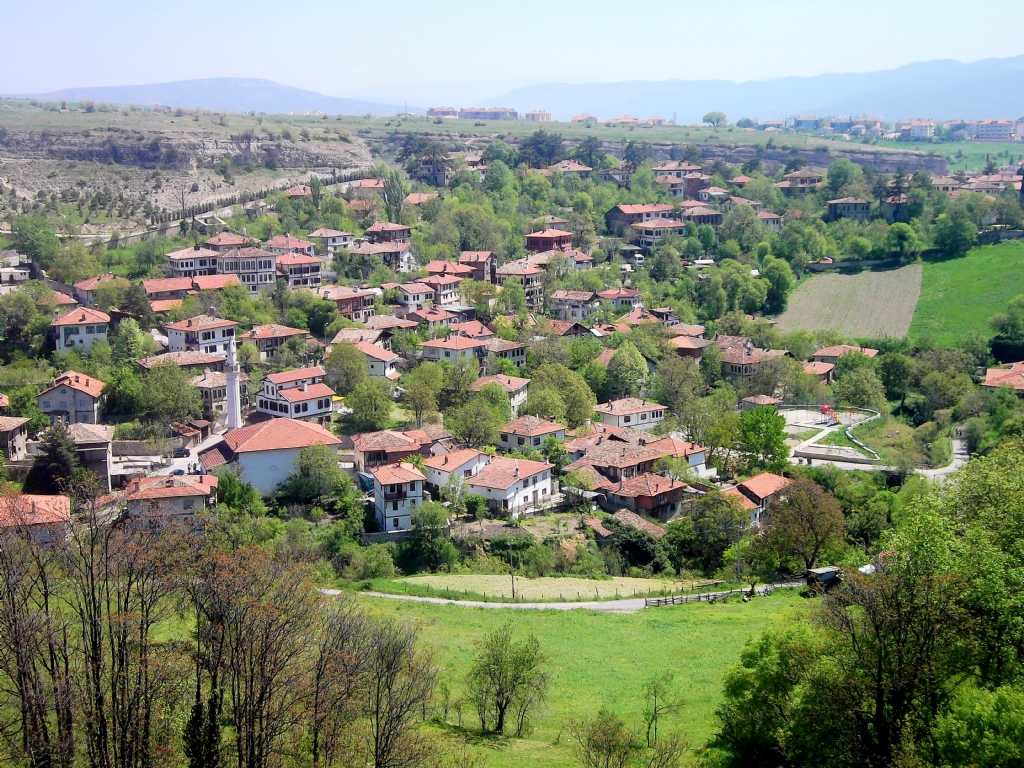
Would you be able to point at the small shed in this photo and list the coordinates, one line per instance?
(823, 579)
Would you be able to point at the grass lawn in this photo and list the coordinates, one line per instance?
(600, 659)
(499, 586)
(959, 296)
(965, 155)
(864, 305)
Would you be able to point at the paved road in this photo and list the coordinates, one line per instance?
(960, 457)
(630, 605)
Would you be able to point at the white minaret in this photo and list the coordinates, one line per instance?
(234, 389)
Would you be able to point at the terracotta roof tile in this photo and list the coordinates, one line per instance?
(24, 509)
(286, 377)
(531, 426)
(395, 474)
(503, 472)
(278, 434)
(81, 315)
(90, 385)
(765, 484)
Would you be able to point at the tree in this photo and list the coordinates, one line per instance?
(862, 388)
(659, 701)
(317, 474)
(132, 342)
(604, 742)
(507, 678)
(841, 173)
(699, 541)
(808, 522)
(511, 298)
(636, 154)
(780, 282)
(371, 402)
(895, 370)
(420, 398)
(394, 194)
(715, 119)
(762, 435)
(56, 463)
(498, 399)
(627, 371)
(345, 368)
(167, 395)
(954, 232)
(742, 224)
(541, 149)
(477, 424)
(901, 239)
(677, 381)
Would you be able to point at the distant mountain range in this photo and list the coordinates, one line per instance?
(938, 89)
(228, 94)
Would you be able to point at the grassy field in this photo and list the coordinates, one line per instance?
(966, 155)
(600, 660)
(546, 588)
(959, 296)
(865, 305)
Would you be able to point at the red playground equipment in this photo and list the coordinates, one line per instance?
(830, 416)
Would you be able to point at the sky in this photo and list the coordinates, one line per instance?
(391, 48)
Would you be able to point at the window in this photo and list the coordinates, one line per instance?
(467, 473)
(522, 441)
(627, 419)
(536, 441)
(89, 330)
(394, 523)
(643, 417)
(394, 506)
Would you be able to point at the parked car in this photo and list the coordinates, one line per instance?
(182, 453)
(178, 472)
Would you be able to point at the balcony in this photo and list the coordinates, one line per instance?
(396, 495)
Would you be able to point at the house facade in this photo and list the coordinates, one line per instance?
(528, 432)
(397, 491)
(72, 398)
(80, 328)
(513, 487)
(631, 412)
(299, 394)
(271, 337)
(202, 333)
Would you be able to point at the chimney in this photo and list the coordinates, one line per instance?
(195, 247)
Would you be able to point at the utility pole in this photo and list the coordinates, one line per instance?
(511, 570)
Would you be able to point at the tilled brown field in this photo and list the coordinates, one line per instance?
(866, 305)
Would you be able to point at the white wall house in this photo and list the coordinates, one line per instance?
(202, 333)
(528, 432)
(79, 328)
(73, 398)
(514, 386)
(397, 491)
(631, 412)
(299, 394)
(464, 463)
(265, 452)
(513, 487)
(380, 362)
(453, 349)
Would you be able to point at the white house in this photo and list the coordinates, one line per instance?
(265, 452)
(299, 394)
(512, 487)
(631, 412)
(513, 385)
(331, 240)
(528, 432)
(453, 349)
(464, 463)
(202, 333)
(415, 295)
(445, 287)
(301, 270)
(381, 362)
(281, 244)
(397, 491)
(73, 398)
(79, 328)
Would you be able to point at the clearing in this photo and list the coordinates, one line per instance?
(958, 296)
(543, 588)
(599, 660)
(866, 305)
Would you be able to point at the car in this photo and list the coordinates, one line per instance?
(178, 472)
(182, 453)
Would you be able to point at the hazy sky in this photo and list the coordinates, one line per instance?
(345, 47)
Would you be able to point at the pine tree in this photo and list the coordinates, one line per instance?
(55, 465)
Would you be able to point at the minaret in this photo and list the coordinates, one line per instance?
(234, 389)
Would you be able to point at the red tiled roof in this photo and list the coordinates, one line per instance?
(226, 238)
(550, 233)
(368, 184)
(272, 331)
(199, 322)
(454, 459)
(474, 329)
(22, 509)
(647, 484)
(387, 226)
(372, 350)
(11, 423)
(454, 341)
(509, 383)
(91, 282)
(570, 166)
(278, 434)
(395, 474)
(619, 293)
(765, 484)
(296, 259)
(436, 281)
(288, 242)
(840, 349)
(636, 209)
(474, 257)
(744, 502)
(439, 267)
(286, 377)
(385, 322)
(379, 441)
(999, 377)
(531, 426)
(818, 368)
(761, 400)
(634, 520)
(593, 522)
(628, 405)
(146, 488)
(185, 358)
(572, 295)
(418, 198)
(211, 458)
(312, 391)
(606, 356)
(300, 191)
(689, 342)
(502, 472)
(324, 232)
(430, 315)
(90, 385)
(82, 315)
